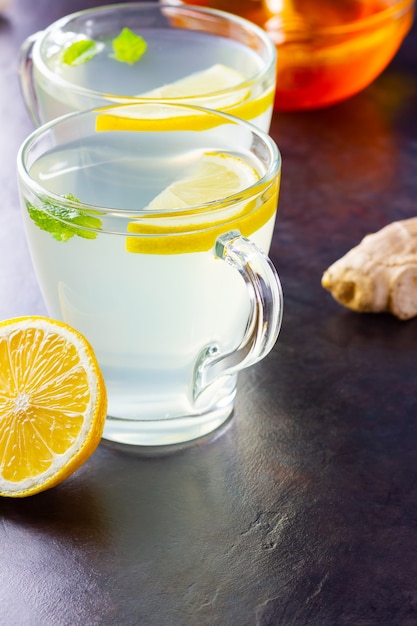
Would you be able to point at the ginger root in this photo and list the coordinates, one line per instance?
(380, 273)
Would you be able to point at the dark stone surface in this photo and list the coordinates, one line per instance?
(304, 511)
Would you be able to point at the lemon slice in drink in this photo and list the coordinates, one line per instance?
(208, 83)
(215, 177)
(216, 88)
(53, 404)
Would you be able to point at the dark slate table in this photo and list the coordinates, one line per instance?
(304, 510)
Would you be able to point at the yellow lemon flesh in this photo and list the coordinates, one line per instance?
(216, 178)
(53, 404)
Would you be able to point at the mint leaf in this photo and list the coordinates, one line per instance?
(80, 52)
(128, 47)
(63, 222)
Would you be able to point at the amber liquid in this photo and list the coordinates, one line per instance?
(316, 69)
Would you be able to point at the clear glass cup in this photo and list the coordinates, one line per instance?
(74, 65)
(175, 295)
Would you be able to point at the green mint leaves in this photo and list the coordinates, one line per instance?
(63, 222)
(80, 52)
(127, 48)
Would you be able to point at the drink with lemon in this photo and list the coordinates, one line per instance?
(144, 280)
(148, 51)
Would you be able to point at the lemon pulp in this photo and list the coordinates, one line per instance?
(52, 404)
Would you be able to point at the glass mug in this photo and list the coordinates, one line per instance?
(119, 53)
(149, 227)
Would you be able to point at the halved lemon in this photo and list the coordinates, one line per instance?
(53, 404)
(172, 229)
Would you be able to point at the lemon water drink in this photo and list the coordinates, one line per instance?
(144, 281)
(144, 51)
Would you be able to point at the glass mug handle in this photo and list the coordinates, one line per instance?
(265, 318)
(25, 66)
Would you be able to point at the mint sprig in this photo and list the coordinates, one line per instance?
(80, 52)
(63, 222)
(128, 47)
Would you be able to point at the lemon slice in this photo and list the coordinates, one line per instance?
(187, 229)
(53, 404)
(208, 84)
